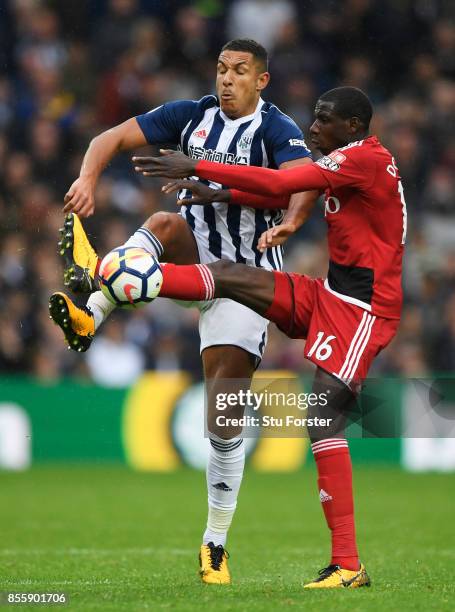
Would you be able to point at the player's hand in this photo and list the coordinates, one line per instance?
(80, 197)
(200, 193)
(171, 164)
(276, 236)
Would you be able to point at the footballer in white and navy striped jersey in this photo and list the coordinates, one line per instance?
(267, 137)
(237, 127)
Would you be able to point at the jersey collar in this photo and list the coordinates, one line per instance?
(240, 120)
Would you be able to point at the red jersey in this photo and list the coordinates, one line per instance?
(366, 215)
(365, 211)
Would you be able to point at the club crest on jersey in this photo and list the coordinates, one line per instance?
(332, 161)
(200, 134)
(246, 141)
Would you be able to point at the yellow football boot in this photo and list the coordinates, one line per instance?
(80, 258)
(335, 576)
(78, 324)
(213, 564)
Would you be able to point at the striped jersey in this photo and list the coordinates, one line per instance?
(201, 130)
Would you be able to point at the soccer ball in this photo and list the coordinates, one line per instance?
(130, 277)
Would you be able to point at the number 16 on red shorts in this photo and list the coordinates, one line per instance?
(341, 338)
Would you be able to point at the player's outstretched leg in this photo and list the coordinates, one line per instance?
(77, 324)
(165, 236)
(81, 262)
(252, 287)
(166, 233)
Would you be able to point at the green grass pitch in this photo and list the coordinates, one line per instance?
(117, 540)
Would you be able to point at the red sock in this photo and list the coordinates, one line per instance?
(335, 492)
(187, 282)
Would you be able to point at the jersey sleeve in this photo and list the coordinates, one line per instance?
(346, 167)
(165, 123)
(244, 198)
(263, 181)
(284, 140)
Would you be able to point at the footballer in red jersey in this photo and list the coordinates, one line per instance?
(346, 318)
(352, 314)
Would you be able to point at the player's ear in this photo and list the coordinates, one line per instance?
(262, 81)
(355, 125)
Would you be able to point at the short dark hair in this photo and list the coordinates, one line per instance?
(249, 46)
(350, 102)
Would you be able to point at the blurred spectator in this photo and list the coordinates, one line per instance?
(262, 20)
(444, 45)
(443, 349)
(112, 360)
(112, 35)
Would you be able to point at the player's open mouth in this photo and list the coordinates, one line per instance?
(227, 96)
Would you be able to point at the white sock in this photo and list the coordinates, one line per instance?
(224, 476)
(100, 306)
(145, 239)
(98, 303)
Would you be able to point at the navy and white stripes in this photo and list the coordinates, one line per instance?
(232, 232)
(265, 138)
(225, 446)
(153, 241)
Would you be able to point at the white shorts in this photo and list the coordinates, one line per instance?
(224, 321)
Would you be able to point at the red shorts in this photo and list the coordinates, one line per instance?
(341, 338)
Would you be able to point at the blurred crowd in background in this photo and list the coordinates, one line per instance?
(69, 70)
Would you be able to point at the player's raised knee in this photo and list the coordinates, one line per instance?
(165, 225)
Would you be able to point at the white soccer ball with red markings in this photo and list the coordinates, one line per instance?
(130, 277)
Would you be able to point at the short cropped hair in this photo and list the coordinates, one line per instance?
(249, 46)
(350, 102)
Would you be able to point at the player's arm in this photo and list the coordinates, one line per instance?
(264, 181)
(299, 205)
(298, 210)
(286, 148)
(353, 167)
(201, 194)
(162, 124)
(124, 137)
(251, 179)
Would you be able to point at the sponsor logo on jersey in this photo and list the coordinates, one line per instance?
(328, 163)
(337, 157)
(331, 205)
(216, 156)
(297, 142)
(200, 134)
